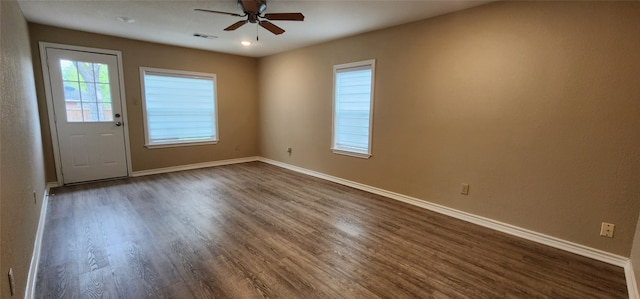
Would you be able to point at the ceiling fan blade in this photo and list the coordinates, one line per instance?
(295, 16)
(271, 27)
(235, 25)
(220, 12)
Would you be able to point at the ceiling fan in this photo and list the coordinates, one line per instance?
(253, 10)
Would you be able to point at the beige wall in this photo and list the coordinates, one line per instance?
(534, 104)
(21, 162)
(237, 96)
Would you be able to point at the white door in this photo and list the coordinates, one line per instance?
(85, 91)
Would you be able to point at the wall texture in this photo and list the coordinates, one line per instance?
(237, 96)
(21, 162)
(534, 104)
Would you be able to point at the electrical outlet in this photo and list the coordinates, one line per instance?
(607, 230)
(12, 282)
(289, 150)
(464, 189)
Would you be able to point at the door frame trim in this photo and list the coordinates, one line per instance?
(49, 97)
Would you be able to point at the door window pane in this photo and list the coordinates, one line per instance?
(101, 72)
(107, 112)
(87, 91)
(69, 70)
(104, 93)
(71, 91)
(90, 111)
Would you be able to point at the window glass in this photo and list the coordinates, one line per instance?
(353, 98)
(86, 91)
(179, 107)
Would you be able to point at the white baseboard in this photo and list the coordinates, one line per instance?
(35, 256)
(193, 166)
(582, 250)
(632, 284)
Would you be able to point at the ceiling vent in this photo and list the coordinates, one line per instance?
(202, 35)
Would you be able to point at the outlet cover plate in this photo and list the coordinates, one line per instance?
(606, 230)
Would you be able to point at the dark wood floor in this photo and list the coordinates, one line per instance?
(254, 230)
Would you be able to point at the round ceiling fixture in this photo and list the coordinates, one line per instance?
(246, 43)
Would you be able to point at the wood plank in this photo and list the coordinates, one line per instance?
(254, 230)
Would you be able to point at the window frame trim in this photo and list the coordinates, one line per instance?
(364, 64)
(184, 74)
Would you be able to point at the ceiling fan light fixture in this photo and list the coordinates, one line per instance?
(127, 20)
(246, 43)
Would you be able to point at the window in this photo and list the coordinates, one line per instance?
(179, 107)
(87, 96)
(352, 108)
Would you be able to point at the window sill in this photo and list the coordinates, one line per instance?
(180, 144)
(352, 154)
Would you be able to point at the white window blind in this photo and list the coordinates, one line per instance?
(353, 99)
(179, 107)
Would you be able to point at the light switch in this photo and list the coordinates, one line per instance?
(464, 189)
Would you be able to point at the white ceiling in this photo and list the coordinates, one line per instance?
(174, 22)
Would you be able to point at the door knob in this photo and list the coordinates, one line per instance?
(118, 124)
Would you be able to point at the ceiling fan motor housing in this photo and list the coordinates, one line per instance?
(253, 8)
